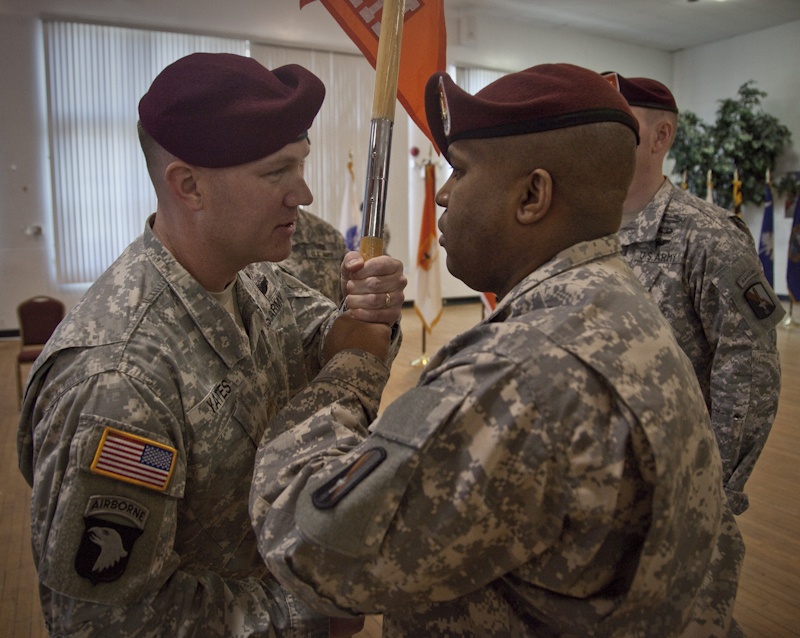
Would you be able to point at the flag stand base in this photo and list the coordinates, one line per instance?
(422, 360)
(790, 323)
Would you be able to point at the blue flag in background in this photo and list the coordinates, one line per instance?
(793, 265)
(766, 246)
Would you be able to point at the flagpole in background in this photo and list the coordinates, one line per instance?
(387, 68)
(737, 193)
(793, 267)
(427, 274)
(350, 214)
(766, 241)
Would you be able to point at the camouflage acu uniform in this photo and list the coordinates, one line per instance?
(553, 473)
(149, 357)
(317, 253)
(699, 263)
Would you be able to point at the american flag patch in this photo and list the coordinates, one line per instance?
(134, 459)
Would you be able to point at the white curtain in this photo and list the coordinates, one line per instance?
(96, 75)
(473, 80)
(101, 192)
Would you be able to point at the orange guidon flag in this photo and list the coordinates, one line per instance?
(428, 293)
(489, 301)
(423, 49)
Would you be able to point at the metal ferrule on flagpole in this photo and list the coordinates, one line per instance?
(375, 190)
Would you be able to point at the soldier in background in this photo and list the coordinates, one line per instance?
(141, 418)
(554, 472)
(317, 252)
(700, 264)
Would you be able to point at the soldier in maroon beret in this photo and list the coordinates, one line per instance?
(510, 120)
(141, 420)
(554, 472)
(723, 310)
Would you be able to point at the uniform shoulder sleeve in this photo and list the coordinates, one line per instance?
(724, 254)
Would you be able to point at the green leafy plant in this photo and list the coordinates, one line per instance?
(743, 138)
(787, 185)
(693, 151)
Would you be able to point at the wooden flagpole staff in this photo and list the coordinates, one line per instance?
(387, 67)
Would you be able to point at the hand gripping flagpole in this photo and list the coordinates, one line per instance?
(387, 67)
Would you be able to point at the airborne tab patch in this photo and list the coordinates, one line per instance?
(134, 459)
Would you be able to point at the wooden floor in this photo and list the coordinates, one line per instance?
(768, 605)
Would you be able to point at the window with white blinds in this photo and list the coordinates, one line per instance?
(96, 75)
(102, 195)
(473, 80)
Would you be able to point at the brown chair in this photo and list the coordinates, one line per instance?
(38, 318)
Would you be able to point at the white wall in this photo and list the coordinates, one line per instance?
(704, 75)
(26, 261)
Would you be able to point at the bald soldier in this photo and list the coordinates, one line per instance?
(554, 472)
(700, 264)
(142, 416)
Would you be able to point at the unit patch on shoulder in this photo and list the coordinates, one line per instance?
(759, 301)
(111, 526)
(134, 459)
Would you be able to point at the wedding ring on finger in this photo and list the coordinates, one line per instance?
(388, 301)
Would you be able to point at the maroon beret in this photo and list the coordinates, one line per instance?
(643, 92)
(221, 109)
(541, 98)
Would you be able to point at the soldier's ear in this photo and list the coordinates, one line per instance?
(182, 181)
(665, 131)
(537, 199)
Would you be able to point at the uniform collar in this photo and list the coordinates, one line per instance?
(644, 227)
(569, 258)
(217, 325)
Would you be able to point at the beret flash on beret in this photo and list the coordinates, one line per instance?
(643, 92)
(541, 98)
(221, 109)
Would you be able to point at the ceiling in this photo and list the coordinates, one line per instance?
(670, 25)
